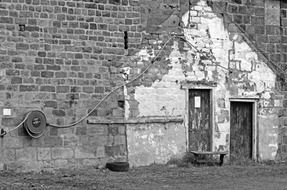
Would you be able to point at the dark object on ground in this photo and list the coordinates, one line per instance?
(118, 166)
(197, 155)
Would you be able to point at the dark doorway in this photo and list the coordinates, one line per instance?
(241, 134)
(200, 131)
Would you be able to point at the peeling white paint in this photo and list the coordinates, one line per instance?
(238, 65)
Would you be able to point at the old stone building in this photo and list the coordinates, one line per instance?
(142, 81)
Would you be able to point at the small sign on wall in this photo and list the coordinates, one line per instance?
(197, 101)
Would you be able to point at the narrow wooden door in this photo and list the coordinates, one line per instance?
(199, 120)
(241, 131)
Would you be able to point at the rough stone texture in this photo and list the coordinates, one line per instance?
(233, 47)
(63, 56)
(268, 143)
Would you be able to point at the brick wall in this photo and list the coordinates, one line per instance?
(282, 115)
(264, 22)
(62, 57)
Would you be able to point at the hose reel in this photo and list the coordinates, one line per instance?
(35, 124)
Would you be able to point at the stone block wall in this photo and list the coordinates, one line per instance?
(88, 145)
(62, 57)
(283, 113)
(259, 20)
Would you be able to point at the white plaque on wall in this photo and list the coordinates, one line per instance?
(197, 101)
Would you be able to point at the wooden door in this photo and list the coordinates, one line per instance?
(241, 131)
(199, 120)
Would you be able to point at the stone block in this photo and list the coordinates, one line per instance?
(52, 141)
(283, 148)
(275, 57)
(257, 20)
(283, 121)
(221, 103)
(119, 140)
(282, 113)
(62, 153)
(47, 88)
(46, 165)
(16, 80)
(26, 154)
(70, 140)
(238, 19)
(22, 46)
(259, 29)
(13, 142)
(16, 166)
(44, 153)
(81, 152)
(62, 89)
(2, 166)
(33, 142)
(112, 151)
(113, 130)
(278, 103)
(100, 152)
(122, 129)
(272, 13)
(81, 130)
(50, 104)
(273, 30)
(10, 121)
(98, 141)
(8, 155)
(223, 116)
(98, 130)
(91, 162)
(22, 132)
(118, 112)
(61, 163)
(53, 131)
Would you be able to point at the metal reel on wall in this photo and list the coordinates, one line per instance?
(35, 123)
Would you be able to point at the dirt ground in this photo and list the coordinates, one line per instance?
(154, 177)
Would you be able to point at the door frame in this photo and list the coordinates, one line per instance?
(254, 102)
(186, 123)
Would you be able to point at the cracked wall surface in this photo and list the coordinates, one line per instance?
(214, 54)
(63, 57)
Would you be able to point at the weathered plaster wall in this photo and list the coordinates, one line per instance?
(212, 54)
(156, 142)
(63, 56)
(268, 137)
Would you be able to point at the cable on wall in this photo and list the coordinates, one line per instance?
(33, 118)
(115, 89)
(36, 134)
(35, 121)
(3, 132)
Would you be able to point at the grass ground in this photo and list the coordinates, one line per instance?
(154, 177)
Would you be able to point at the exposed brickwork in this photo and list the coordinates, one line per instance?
(254, 24)
(62, 57)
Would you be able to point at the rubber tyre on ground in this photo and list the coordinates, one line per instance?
(118, 166)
